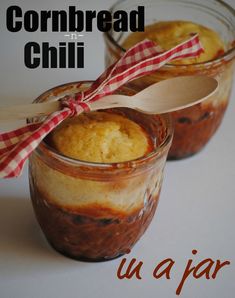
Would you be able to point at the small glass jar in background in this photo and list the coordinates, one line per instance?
(194, 126)
(97, 211)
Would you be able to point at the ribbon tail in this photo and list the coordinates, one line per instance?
(16, 146)
(153, 62)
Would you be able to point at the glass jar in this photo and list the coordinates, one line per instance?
(97, 211)
(193, 126)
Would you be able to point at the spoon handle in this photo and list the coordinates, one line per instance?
(20, 112)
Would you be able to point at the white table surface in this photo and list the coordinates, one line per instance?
(196, 210)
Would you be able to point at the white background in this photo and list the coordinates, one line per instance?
(196, 210)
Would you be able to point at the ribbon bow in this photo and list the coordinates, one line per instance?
(142, 59)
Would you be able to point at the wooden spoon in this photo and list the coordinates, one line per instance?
(166, 96)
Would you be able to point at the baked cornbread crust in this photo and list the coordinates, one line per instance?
(100, 137)
(168, 34)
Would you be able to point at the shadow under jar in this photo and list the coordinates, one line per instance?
(194, 126)
(97, 211)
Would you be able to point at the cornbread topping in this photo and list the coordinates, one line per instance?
(101, 137)
(168, 34)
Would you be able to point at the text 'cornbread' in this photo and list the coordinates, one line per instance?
(168, 34)
(101, 137)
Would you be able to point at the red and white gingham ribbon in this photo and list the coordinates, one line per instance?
(142, 59)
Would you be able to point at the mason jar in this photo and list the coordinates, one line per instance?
(97, 211)
(193, 126)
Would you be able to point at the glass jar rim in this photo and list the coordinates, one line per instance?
(46, 148)
(228, 55)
